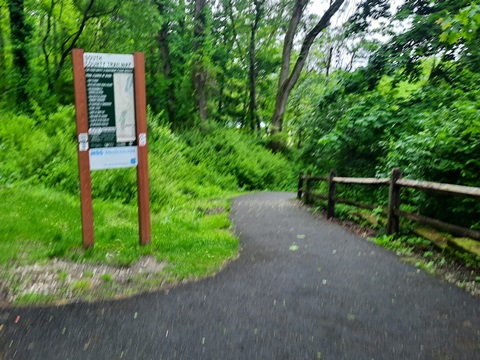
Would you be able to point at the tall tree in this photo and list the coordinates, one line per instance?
(199, 69)
(288, 79)
(165, 53)
(252, 52)
(3, 66)
(91, 9)
(229, 56)
(20, 31)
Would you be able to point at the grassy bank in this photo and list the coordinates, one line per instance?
(42, 225)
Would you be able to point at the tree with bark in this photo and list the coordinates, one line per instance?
(57, 46)
(20, 32)
(288, 79)
(3, 66)
(165, 54)
(199, 70)
(254, 119)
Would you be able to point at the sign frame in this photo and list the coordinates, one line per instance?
(83, 146)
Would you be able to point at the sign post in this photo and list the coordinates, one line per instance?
(111, 127)
(83, 151)
(142, 168)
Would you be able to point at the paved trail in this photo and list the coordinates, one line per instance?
(302, 288)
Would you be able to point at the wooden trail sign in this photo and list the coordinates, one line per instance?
(111, 115)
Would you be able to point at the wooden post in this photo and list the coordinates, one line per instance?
(331, 195)
(307, 187)
(300, 186)
(81, 112)
(142, 167)
(394, 200)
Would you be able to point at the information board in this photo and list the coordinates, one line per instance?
(111, 115)
(111, 110)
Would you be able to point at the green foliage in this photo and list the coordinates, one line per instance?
(404, 244)
(233, 154)
(42, 150)
(464, 24)
(107, 277)
(278, 142)
(403, 56)
(32, 299)
(428, 128)
(81, 285)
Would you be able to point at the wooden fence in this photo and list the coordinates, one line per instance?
(393, 211)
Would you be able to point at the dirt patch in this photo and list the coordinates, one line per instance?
(65, 281)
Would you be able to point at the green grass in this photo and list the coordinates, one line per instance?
(36, 224)
(39, 224)
(33, 298)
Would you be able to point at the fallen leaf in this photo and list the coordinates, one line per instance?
(293, 247)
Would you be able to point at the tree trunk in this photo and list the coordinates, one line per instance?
(329, 64)
(286, 81)
(19, 34)
(3, 67)
(199, 70)
(298, 10)
(252, 110)
(71, 42)
(164, 47)
(45, 38)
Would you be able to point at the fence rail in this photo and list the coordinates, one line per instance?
(393, 212)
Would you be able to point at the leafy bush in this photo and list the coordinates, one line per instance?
(41, 149)
(227, 152)
(429, 129)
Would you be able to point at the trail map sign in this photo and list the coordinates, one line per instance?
(111, 110)
(111, 126)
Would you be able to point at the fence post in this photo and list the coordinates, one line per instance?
(307, 187)
(300, 186)
(331, 195)
(394, 201)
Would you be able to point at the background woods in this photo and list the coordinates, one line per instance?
(359, 86)
(217, 60)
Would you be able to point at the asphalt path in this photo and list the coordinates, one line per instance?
(302, 288)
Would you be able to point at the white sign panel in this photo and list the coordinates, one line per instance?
(113, 157)
(124, 107)
(101, 60)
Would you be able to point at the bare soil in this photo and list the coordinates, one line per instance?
(61, 281)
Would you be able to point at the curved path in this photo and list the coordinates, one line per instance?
(302, 288)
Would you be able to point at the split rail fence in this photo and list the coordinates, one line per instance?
(393, 211)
